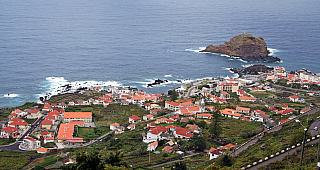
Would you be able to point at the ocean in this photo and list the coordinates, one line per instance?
(44, 44)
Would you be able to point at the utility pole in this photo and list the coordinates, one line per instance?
(303, 142)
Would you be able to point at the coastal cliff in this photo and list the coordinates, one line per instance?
(245, 46)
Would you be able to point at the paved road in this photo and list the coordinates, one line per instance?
(280, 156)
(294, 88)
(15, 146)
(255, 139)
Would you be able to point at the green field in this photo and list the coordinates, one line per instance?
(263, 94)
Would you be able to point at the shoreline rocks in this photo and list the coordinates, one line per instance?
(246, 47)
(252, 70)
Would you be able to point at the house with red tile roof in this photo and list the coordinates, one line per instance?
(193, 128)
(161, 120)
(224, 95)
(79, 123)
(167, 149)
(80, 116)
(42, 150)
(106, 102)
(174, 118)
(286, 112)
(241, 93)
(55, 114)
(114, 126)
(46, 134)
(65, 132)
(293, 98)
(46, 124)
(134, 119)
(9, 131)
(214, 153)
(230, 113)
(75, 141)
(182, 133)
(243, 110)
(247, 99)
(19, 113)
(47, 107)
(30, 143)
(151, 124)
(131, 126)
(204, 116)
(284, 106)
(304, 110)
(155, 111)
(172, 105)
(283, 121)
(148, 117)
(154, 134)
(48, 140)
(32, 114)
(152, 146)
(226, 147)
(272, 109)
(18, 123)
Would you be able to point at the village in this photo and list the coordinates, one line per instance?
(164, 121)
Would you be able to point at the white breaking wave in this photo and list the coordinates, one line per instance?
(11, 95)
(58, 85)
(248, 65)
(197, 51)
(272, 51)
(168, 75)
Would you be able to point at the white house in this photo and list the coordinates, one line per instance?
(294, 98)
(114, 126)
(148, 117)
(214, 153)
(31, 143)
(152, 146)
(9, 131)
(134, 119)
(154, 134)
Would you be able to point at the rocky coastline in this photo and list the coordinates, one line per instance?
(252, 70)
(246, 47)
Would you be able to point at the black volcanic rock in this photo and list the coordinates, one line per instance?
(245, 46)
(253, 70)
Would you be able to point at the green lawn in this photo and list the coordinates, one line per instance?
(263, 94)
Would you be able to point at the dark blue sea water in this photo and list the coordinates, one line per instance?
(134, 42)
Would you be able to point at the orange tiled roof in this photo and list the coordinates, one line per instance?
(246, 98)
(65, 131)
(78, 115)
(75, 122)
(115, 124)
(9, 129)
(243, 108)
(42, 149)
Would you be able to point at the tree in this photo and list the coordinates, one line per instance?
(174, 95)
(86, 161)
(198, 142)
(180, 165)
(226, 160)
(215, 128)
(116, 160)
